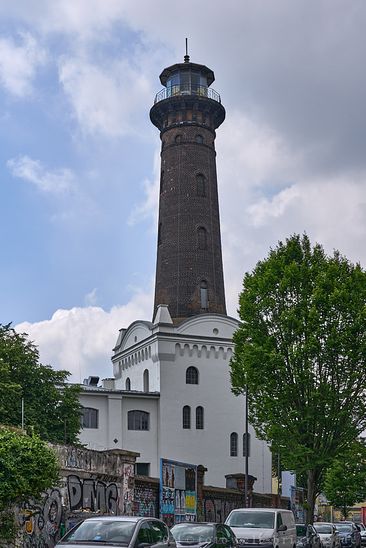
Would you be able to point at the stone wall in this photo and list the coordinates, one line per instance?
(91, 483)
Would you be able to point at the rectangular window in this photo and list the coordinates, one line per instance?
(142, 468)
(89, 418)
(138, 420)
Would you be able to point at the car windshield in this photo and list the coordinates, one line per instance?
(102, 530)
(188, 533)
(301, 530)
(343, 527)
(323, 529)
(257, 520)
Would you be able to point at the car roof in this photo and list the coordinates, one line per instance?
(198, 523)
(323, 523)
(118, 518)
(261, 510)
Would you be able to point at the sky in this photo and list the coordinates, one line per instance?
(79, 157)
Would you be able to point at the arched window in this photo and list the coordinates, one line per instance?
(161, 181)
(199, 139)
(199, 418)
(89, 417)
(204, 295)
(178, 139)
(192, 375)
(128, 383)
(200, 184)
(186, 417)
(246, 443)
(202, 238)
(234, 444)
(138, 420)
(146, 380)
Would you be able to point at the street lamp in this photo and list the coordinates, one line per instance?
(246, 462)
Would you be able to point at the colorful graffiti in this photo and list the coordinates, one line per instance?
(41, 521)
(92, 495)
(146, 501)
(178, 491)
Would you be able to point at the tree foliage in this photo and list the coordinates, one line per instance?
(51, 406)
(27, 468)
(301, 350)
(345, 481)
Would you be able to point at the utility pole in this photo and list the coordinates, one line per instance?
(22, 413)
(246, 450)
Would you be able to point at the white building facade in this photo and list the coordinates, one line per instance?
(171, 398)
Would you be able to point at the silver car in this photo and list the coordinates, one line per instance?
(328, 534)
(130, 531)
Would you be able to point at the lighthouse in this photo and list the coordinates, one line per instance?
(189, 271)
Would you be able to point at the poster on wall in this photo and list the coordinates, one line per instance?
(297, 499)
(178, 491)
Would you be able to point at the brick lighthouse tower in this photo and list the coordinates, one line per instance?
(189, 272)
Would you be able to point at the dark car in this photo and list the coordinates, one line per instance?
(349, 534)
(307, 537)
(210, 535)
(133, 532)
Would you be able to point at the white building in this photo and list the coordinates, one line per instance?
(171, 398)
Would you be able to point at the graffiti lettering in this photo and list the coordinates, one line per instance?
(93, 495)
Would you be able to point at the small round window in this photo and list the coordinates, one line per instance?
(199, 139)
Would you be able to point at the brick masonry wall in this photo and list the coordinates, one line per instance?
(188, 150)
(146, 501)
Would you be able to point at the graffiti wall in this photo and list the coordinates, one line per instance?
(93, 495)
(146, 498)
(218, 509)
(41, 522)
(92, 483)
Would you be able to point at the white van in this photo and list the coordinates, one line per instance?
(266, 527)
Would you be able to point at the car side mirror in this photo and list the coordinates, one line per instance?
(282, 528)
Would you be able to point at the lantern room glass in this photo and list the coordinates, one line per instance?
(187, 82)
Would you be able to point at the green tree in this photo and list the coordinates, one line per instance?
(27, 468)
(345, 481)
(301, 351)
(51, 406)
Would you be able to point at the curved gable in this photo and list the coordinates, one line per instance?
(135, 333)
(209, 325)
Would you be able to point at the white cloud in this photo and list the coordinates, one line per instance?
(105, 100)
(148, 208)
(18, 64)
(268, 193)
(80, 340)
(34, 172)
(91, 298)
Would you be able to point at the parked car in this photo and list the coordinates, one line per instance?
(328, 534)
(349, 534)
(363, 533)
(269, 527)
(210, 535)
(125, 531)
(307, 537)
